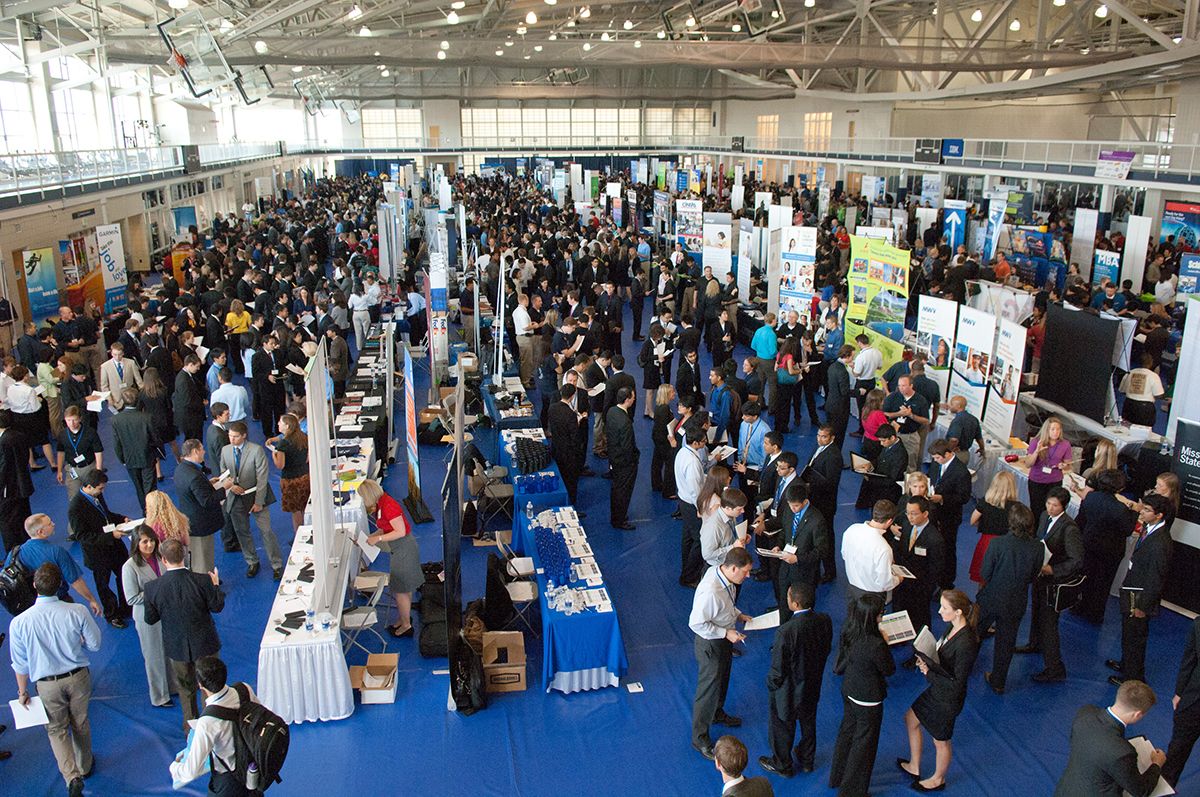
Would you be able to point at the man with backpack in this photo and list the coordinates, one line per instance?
(16, 579)
(241, 742)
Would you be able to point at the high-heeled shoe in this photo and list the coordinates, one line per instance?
(916, 786)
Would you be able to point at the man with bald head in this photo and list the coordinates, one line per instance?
(965, 430)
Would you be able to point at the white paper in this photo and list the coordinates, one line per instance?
(1144, 748)
(202, 353)
(742, 529)
(352, 428)
(597, 390)
(721, 452)
(769, 553)
(926, 645)
(28, 716)
(369, 551)
(1046, 554)
(897, 627)
(130, 526)
(764, 621)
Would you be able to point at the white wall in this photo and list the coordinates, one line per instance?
(740, 117)
(444, 115)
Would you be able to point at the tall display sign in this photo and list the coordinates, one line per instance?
(1137, 242)
(718, 244)
(1189, 273)
(111, 253)
(1186, 392)
(823, 196)
(689, 224)
(745, 257)
(1184, 570)
(737, 197)
(972, 358)
(954, 223)
(1005, 381)
(413, 502)
(797, 262)
(390, 245)
(936, 319)
(437, 300)
(996, 210)
(1181, 222)
(1107, 265)
(931, 189)
(41, 282)
(878, 282)
(1083, 241)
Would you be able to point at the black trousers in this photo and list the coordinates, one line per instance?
(635, 309)
(183, 673)
(229, 784)
(948, 523)
(828, 510)
(1134, 632)
(714, 657)
(1043, 631)
(269, 412)
(1037, 496)
(13, 512)
(569, 471)
(1007, 627)
(809, 388)
(781, 405)
(1184, 733)
(914, 598)
(659, 462)
(115, 607)
(855, 749)
(691, 566)
(144, 482)
(782, 732)
(192, 427)
(623, 479)
(1100, 567)
(838, 420)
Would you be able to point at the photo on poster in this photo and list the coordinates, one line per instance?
(935, 348)
(715, 238)
(971, 364)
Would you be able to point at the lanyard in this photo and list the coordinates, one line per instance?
(749, 438)
(728, 587)
(75, 440)
(95, 501)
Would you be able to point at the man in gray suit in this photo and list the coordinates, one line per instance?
(247, 492)
(215, 440)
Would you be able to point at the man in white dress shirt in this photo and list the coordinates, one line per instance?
(867, 555)
(524, 333)
(867, 362)
(718, 533)
(691, 463)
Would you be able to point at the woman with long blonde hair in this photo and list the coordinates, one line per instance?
(391, 530)
(991, 517)
(165, 519)
(1049, 457)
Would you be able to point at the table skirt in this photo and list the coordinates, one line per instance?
(306, 683)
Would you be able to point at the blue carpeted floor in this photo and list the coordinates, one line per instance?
(602, 743)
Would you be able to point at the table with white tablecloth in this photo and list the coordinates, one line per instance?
(1120, 435)
(302, 675)
(348, 506)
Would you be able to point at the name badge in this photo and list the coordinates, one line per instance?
(919, 551)
(789, 549)
(80, 459)
(1047, 471)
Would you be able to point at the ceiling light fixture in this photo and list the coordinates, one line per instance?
(604, 36)
(1060, 3)
(260, 47)
(528, 57)
(452, 17)
(704, 38)
(1015, 25)
(774, 14)
(662, 34)
(508, 42)
(690, 22)
(585, 13)
(380, 67)
(445, 45)
(178, 5)
(226, 25)
(553, 37)
(551, 2)
(441, 55)
(522, 30)
(587, 46)
(737, 28)
(628, 24)
(935, 11)
(499, 52)
(570, 23)
(531, 18)
(809, 3)
(376, 53)
(458, 5)
(1101, 11)
(977, 15)
(364, 31)
(354, 13)
(537, 48)
(637, 45)
(385, 73)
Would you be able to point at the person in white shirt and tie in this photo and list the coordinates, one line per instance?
(714, 620)
(718, 533)
(691, 463)
(867, 557)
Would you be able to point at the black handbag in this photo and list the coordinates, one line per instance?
(1067, 595)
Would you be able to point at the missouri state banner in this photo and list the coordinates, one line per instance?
(878, 298)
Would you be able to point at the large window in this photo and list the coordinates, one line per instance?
(73, 104)
(818, 133)
(393, 126)
(17, 129)
(558, 125)
(768, 130)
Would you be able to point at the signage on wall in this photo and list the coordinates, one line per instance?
(1114, 163)
(83, 214)
(738, 144)
(952, 147)
(928, 150)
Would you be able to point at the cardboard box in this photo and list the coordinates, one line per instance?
(429, 414)
(468, 362)
(377, 680)
(504, 661)
(445, 391)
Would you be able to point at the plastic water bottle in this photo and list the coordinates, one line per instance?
(529, 510)
(252, 777)
(1164, 448)
(569, 601)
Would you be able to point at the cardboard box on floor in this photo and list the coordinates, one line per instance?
(376, 680)
(504, 661)
(429, 414)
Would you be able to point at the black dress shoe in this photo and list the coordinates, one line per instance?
(737, 652)
(916, 786)
(705, 751)
(5, 755)
(1048, 677)
(728, 720)
(1030, 648)
(677, 515)
(277, 573)
(1117, 680)
(626, 526)
(75, 788)
(768, 763)
(252, 570)
(1113, 665)
(987, 678)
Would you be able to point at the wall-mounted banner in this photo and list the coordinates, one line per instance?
(936, 320)
(41, 282)
(954, 223)
(612, 189)
(996, 211)
(737, 197)
(1107, 264)
(631, 214)
(745, 256)
(1181, 220)
(1005, 381)
(662, 176)
(111, 253)
(931, 190)
(718, 244)
(972, 358)
(689, 224)
(798, 257)
(878, 282)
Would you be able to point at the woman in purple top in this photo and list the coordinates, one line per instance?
(1049, 458)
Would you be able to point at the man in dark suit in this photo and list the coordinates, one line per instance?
(837, 394)
(879, 483)
(1011, 564)
(567, 438)
(1102, 762)
(623, 457)
(16, 482)
(185, 602)
(200, 502)
(798, 657)
(1186, 703)
(951, 483)
(269, 384)
(216, 437)
(731, 757)
(188, 400)
(596, 374)
(804, 541)
(133, 441)
(687, 377)
(1062, 537)
(823, 474)
(918, 546)
(1142, 590)
(618, 379)
(103, 552)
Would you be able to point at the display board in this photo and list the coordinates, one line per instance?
(110, 251)
(1000, 300)
(745, 257)
(1184, 571)
(878, 281)
(718, 244)
(1181, 221)
(41, 282)
(689, 224)
(954, 223)
(319, 412)
(973, 344)
(1083, 241)
(1005, 381)
(1137, 243)
(1106, 265)
(797, 262)
(1080, 384)
(1189, 273)
(936, 322)
(1186, 391)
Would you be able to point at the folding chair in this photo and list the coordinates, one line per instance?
(365, 584)
(363, 619)
(524, 596)
(495, 496)
(515, 567)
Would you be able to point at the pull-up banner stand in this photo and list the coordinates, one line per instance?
(414, 503)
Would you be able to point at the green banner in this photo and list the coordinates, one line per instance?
(878, 298)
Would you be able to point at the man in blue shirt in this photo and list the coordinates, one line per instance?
(232, 396)
(213, 377)
(47, 643)
(765, 346)
(38, 550)
(720, 404)
(1109, 294)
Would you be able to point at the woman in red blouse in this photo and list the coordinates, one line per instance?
(393, 533)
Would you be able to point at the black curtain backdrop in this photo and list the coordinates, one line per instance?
(1076, 365)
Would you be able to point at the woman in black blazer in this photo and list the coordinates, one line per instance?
(864, 662)
(666, 443)
(939, 705)
(1106, 524)
(1010, 565)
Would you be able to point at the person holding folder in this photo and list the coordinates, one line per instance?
(1142, 590)
(1102, 762)
(880, 479)
(918, 547)
(805, 540)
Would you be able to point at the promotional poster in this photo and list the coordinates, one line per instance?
(689, 224)
(41, 282)
(936, 319)
(1181, 220)
(1189, 273)
(745, 256)
(718, 244)
(972, 358)
(878, 299)
(1005, 381)
(111, 254)
(797, 262)
(1107, 264)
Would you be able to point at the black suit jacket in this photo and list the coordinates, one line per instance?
(1148, 569)
(948, 681)
(1065, 542)
(198, 500)
(1102, 762)
(186, 602)
(567, 439)
(824, 477)
(1187, 685)
(1105, 523)
(133, 438)
(768, 480)
(615, 383)
(622, 447)
(15, 479)
(100, 549)
(757, 786)
(687, 381)
(954, 485)
(1009, 567)
(798, 657)
(837, 390)
(188, 399)
(813, 541)
(924, 560)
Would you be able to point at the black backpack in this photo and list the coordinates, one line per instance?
(16, 584)
(260, 737)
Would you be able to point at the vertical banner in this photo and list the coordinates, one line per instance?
(972, 357)
(414, 502)
(1005, 381)
(41, 282)
(778, 217)
(1189, 273)
(1106, 265)
(1083, 241)
(936, 320)
(662, 212)
(111, 252)
(612, 189)
(618, 211)
(689, 224)
(774, 245)
(996, 210)
(823, 196)
(444, 195)
(762, 201)
(1137, 241)
(718, 244)
(436, 300)
(661, 182)
(745, 257)
(1185, 395)
(954, 223)
(737, 197)
(1184, 571)
(631, 212)
(878, 300)
(797, 262)
(931, 189)
(1181, 224)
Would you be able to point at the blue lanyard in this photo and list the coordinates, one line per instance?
(96, 503)
(74, 441)
(728, 587)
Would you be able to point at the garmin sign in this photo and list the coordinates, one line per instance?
(111, 253)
